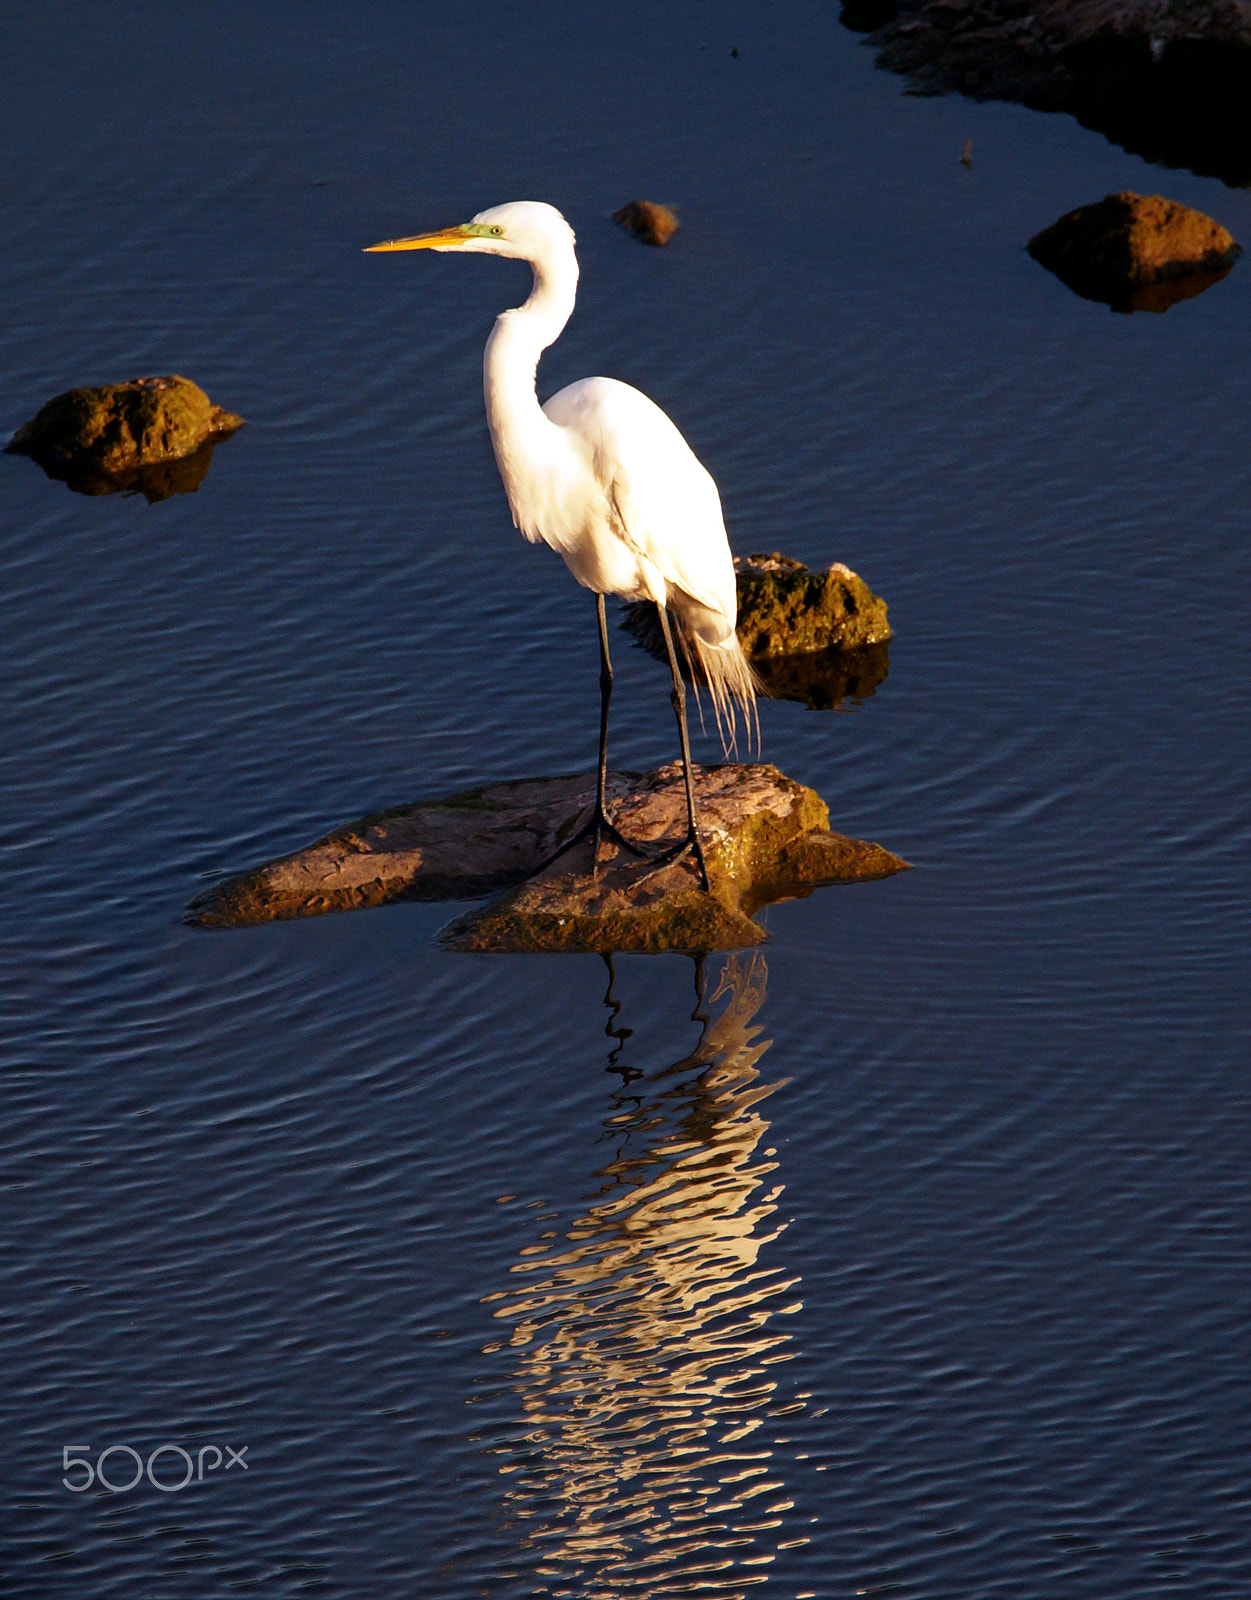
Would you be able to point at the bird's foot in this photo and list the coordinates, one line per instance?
(690, 846)
(597, 827)
(607, 830)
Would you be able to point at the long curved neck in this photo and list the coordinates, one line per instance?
(521, 434)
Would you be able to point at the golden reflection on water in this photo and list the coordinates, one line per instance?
(647, 1342)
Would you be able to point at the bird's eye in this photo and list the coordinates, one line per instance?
(497, 230)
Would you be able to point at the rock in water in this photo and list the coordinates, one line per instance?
(765, 838)
(103, 438)
(798, 627)
(785, 609)
(654, 224)
(1127, 246)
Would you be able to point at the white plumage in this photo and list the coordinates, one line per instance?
(601, 475)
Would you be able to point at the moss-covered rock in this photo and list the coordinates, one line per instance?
(103, 438)
(785, 609)
(648, 221)
(765, 838)
(1136, 252)
(798, 627)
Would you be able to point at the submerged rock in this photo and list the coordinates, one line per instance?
(654, 224)
(765, 838)
(1167, 79)
(1136, 252)
(797, 626)
(113, 437)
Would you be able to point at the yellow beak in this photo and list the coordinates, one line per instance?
(442, 239)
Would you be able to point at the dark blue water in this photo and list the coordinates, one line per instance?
(910, 1258)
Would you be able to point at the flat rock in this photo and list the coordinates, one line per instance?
(799, 628)
(127, 435)
(648, 221)
(1126, 247)
(1167, 79)
(765, 837)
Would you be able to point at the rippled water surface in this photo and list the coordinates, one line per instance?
(909, 1256)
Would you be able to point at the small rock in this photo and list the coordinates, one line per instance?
(107, 435)
(1128, 247)
(786, 609)
(765, 838)
(654, 224)
(795, 625)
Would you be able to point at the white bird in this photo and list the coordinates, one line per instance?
(601, 475)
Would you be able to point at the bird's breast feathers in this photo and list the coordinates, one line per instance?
(641, 499)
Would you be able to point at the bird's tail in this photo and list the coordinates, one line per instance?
(732, 685)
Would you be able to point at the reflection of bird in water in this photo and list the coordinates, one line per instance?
(601, 475)
(647, 1360)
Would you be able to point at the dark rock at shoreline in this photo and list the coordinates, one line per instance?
(1170, 82)
(153, 434)
(652, 223)
(765, 838)
(1136, 252)
(865, 16)
(795, 624)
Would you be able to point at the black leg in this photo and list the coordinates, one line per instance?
(605, 695)
(691, 844)
(599, 825)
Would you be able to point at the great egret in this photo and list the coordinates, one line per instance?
(601, 475)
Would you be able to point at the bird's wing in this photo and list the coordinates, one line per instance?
(665, 504)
